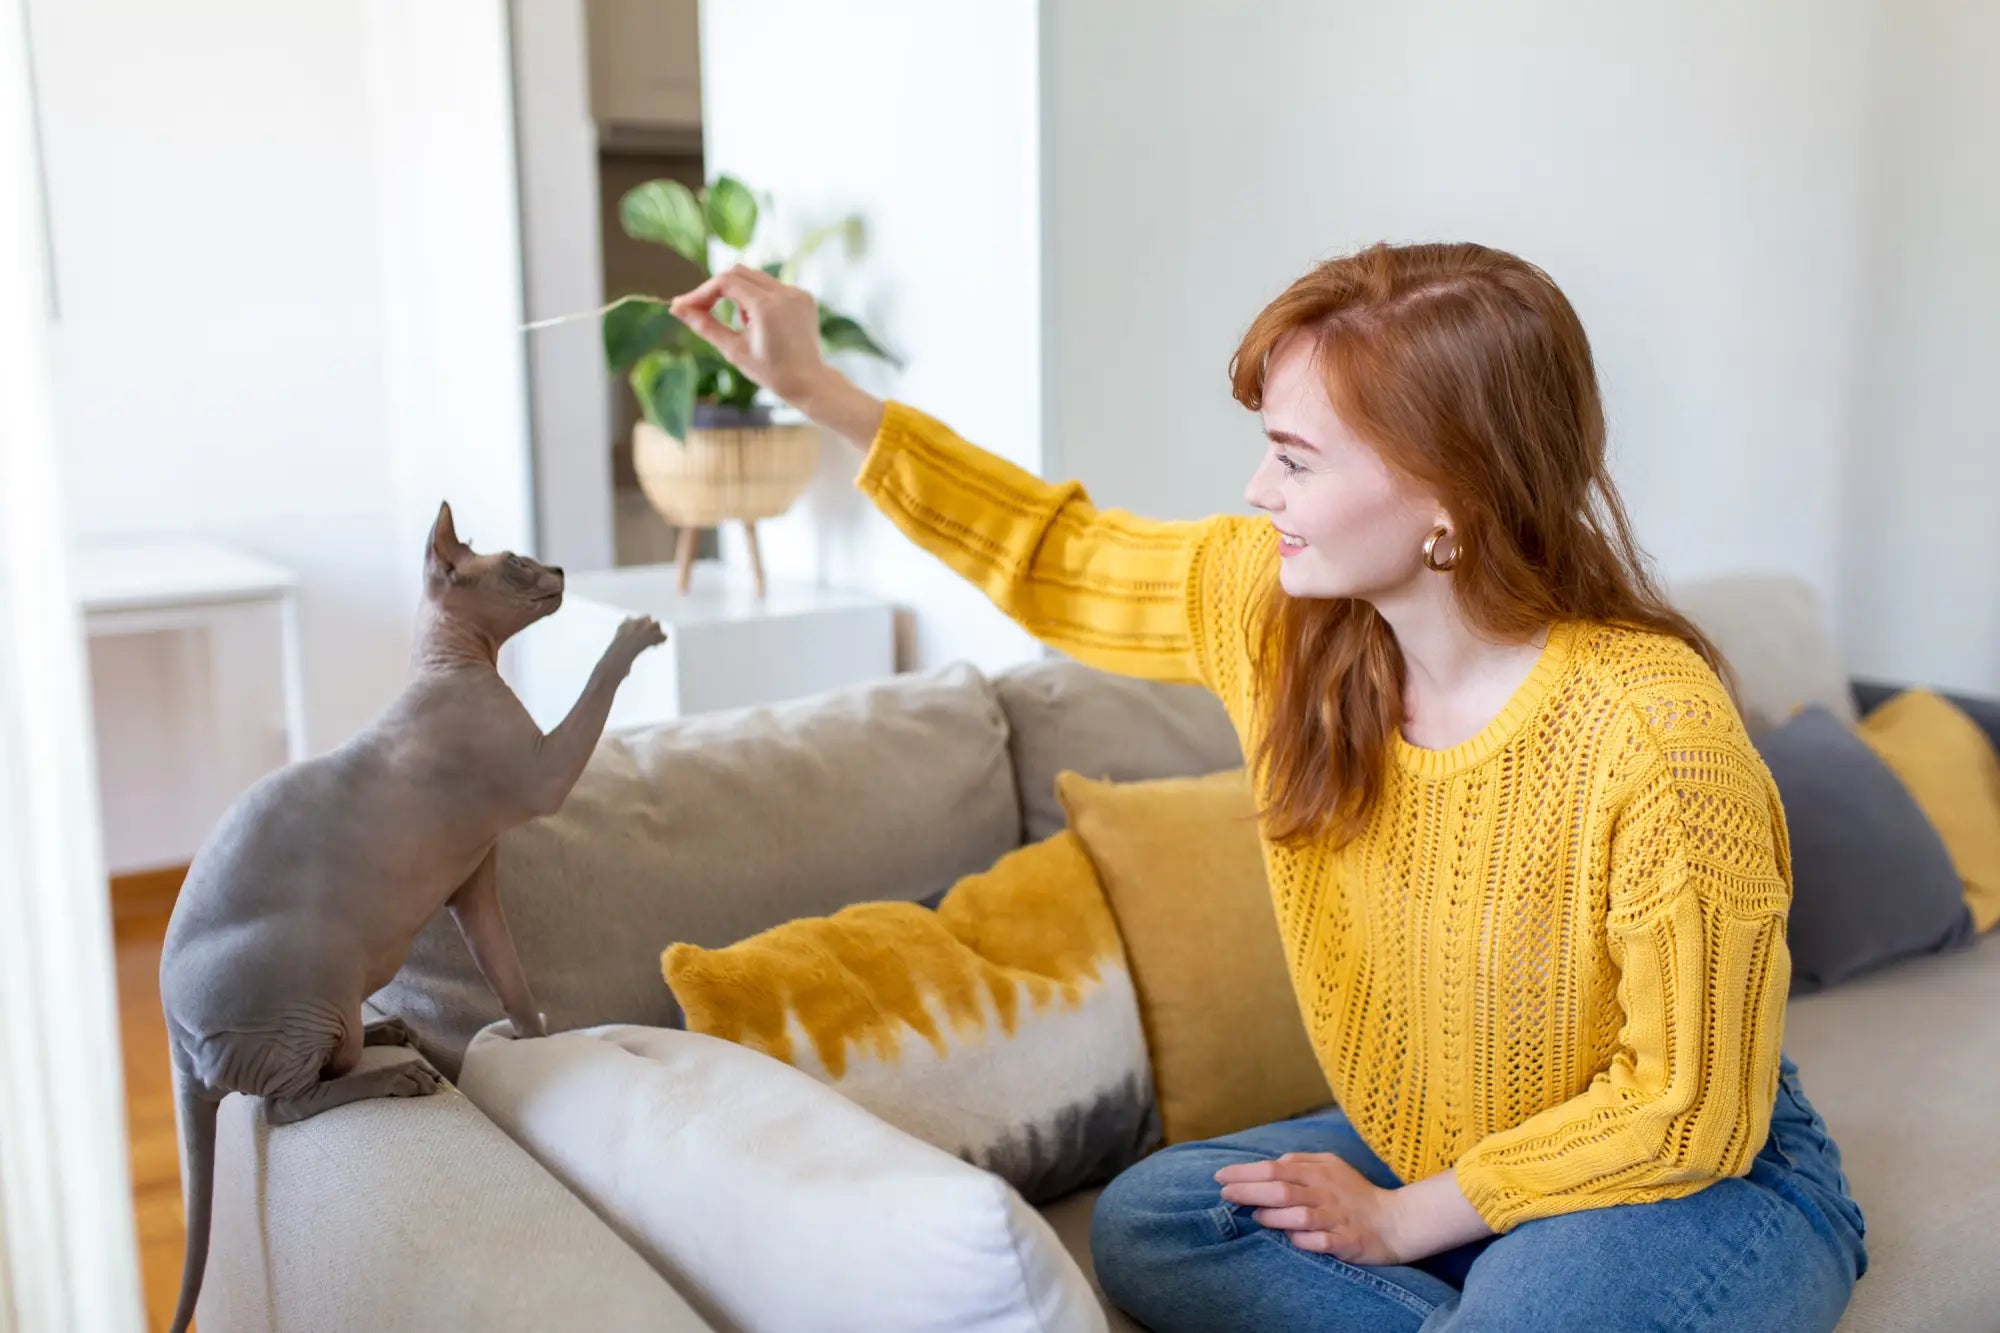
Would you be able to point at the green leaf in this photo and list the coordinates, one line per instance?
(775, 268)
(665, 212)
(634, 327)
(788, 271)
(838, 333)
(663, 382)
(732, 211)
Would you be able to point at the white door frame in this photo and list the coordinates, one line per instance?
(68, 1257)
(562, 264)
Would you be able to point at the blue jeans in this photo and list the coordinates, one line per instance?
(1778, 1249)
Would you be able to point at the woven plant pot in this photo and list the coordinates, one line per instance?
(724, 472)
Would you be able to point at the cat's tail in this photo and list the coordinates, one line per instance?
(197, 1116)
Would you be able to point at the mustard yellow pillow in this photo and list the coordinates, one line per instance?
(1001, 1027)
(1183, 869)
(1953, 774)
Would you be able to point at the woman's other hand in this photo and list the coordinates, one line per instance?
(1322, 1203)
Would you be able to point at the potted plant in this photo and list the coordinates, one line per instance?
(706, 449)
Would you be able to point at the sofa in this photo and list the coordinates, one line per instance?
(423, 1213)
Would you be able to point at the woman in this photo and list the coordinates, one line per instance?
(1530, 874)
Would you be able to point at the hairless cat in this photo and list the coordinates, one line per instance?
(309, 892)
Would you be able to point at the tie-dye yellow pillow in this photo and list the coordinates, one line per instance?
(1001, 1027)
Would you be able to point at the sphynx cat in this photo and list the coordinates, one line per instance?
(311, 889)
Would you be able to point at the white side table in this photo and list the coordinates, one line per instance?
(147, 587)
(725, 647)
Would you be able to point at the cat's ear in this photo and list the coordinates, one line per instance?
(444, 552)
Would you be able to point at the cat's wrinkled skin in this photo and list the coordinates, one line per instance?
(307, 896)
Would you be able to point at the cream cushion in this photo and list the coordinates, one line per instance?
(770, 1201)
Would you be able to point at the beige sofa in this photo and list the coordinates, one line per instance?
(424, 1215)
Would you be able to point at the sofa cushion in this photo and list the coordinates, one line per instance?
(409, 1213)
(1774, 632)
(1904, 1065)
(1064, 715)
(1183, 869)
(1001, 1027)
(1871, 879)
(773, 1203)
(1070, 1216)
(1953, 772)
(716, 827)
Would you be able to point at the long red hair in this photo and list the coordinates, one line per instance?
(1468, 370)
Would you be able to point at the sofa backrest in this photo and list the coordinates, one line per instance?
(713, 828)
(1775, 633)
(1064, 715)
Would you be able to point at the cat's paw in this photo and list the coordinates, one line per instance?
(636, 635)
(388, 1032)
(412, 1079)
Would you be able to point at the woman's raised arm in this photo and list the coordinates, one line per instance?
(1141, 597)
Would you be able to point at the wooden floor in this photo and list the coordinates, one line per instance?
(140, 908)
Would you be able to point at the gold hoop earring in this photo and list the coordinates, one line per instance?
(1430, 551)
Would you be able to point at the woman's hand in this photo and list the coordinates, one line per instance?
(1325, 1204)
(778, 347)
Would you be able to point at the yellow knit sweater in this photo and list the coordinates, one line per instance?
(1555, 960)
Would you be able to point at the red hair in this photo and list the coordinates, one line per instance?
(1468, 370)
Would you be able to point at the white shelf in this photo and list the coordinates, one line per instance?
(163, 575)
(716, 592)
(726, 648)
(217, 602)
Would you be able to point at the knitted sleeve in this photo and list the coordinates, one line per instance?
(1142, 597)
(1699, 886)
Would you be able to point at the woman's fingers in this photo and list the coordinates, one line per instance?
(1291, 1219)
(696, 308)
(728, 341)
(1264, 1193)
(776, 342)
(702, 297)
(739, 283)
(1289, 1167)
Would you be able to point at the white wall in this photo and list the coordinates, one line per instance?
(231, 183)
(1775, 224)
(1772, 218)
(448, 241)
(923, 118)
(1921, 575)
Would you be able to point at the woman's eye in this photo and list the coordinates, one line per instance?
(1291, 468)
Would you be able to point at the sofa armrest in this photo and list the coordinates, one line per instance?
(410, 1214)
(1871, 694)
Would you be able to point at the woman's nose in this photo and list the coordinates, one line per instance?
(1260, 494)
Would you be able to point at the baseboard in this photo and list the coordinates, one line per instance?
(145, 893)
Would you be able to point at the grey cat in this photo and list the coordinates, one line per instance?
(310, 890)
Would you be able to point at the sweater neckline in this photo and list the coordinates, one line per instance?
(1492, 737)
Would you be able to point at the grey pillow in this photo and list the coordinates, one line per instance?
(1871, 879)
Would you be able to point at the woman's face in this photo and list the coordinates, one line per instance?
(1359, 527)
